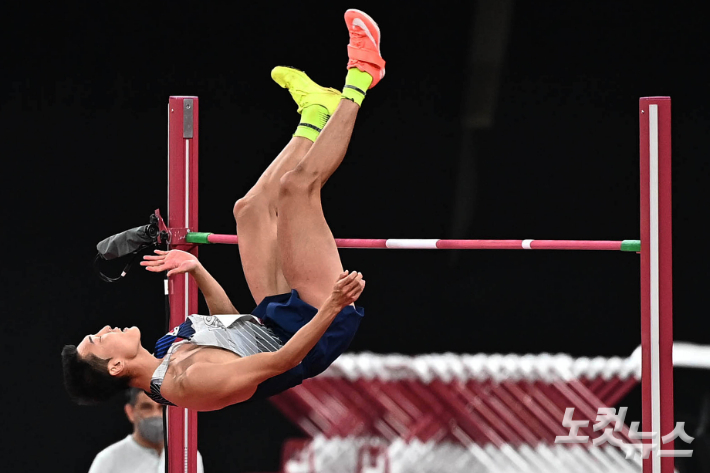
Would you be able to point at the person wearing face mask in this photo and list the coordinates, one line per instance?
(141, 451)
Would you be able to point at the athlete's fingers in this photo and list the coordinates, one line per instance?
(151, 263)
(347, 284)
(354, 277)
(344, 281)
(358, 285)
(153, 257)
(354, 287)
(161, 252)
(359, 288)
(354, 281)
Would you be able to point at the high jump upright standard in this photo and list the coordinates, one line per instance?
(656, 279)
(183, 146)
(655, 250)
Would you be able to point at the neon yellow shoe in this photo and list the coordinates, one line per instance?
(303, 90)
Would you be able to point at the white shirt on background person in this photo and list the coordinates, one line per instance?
(128, 456)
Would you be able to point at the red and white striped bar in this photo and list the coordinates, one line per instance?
(656, 278)
(182, 213)
(436, 244)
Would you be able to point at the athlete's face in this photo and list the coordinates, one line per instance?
(111, 343)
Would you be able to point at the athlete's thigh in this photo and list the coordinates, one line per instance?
(259, 253)
(309, 257)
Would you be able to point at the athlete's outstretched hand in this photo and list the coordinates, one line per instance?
(173, 261)
(348, 288)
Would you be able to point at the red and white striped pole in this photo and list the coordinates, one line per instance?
(437, 244)
(656, 278)
(182, 216)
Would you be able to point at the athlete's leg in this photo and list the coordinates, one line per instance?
(256, 212)
(309, 256)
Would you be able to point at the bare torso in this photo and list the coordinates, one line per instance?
(189, 354)
(183, 358)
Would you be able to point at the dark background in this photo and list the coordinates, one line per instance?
(84, 89)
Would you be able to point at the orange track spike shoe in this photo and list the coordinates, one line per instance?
(364, 47)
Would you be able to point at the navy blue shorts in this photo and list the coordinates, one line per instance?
(285, 314)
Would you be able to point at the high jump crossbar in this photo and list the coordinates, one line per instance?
(655, 248)
(434, 244)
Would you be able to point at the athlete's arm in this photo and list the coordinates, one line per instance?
(210, 386)
(177, 262)
(346, 291)
(217, 300)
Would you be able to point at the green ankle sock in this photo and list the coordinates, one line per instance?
(356, 85)
(313, 119)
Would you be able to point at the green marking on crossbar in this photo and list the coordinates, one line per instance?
(197, 237)
(631, 245)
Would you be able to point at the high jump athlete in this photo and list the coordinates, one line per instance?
(305, 317)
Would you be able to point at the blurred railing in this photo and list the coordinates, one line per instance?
(448, 412)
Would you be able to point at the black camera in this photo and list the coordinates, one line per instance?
(128, 242)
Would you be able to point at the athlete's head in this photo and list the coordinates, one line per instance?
(97, 368)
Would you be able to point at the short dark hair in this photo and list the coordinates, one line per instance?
(132, 395)
(87, 379)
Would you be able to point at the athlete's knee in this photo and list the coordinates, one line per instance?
(249, 205)
(299, 181)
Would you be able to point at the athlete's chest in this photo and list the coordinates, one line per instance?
(187, 355)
